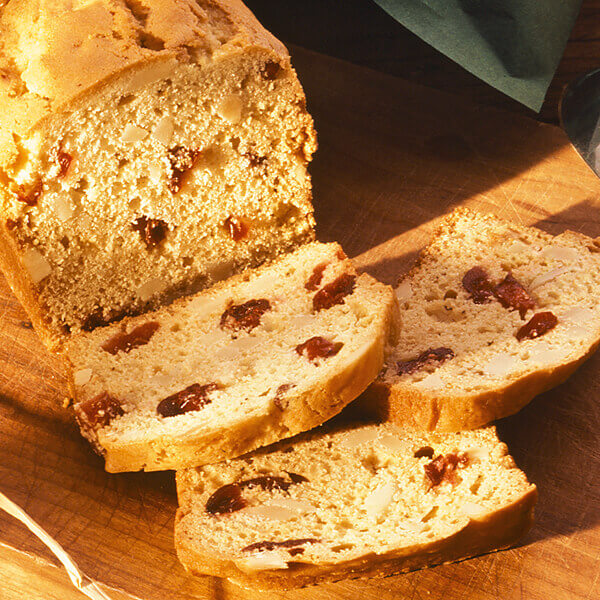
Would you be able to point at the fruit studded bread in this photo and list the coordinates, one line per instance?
(367, 500)
(148, 148)
(267, 354)
(492, 315)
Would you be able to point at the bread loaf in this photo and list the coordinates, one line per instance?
(148, 148)
(493, 314)
(364, 500)
(265, 355)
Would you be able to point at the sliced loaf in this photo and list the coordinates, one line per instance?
(147, 150)
(265, 355)
(492, 314)
(360, 501)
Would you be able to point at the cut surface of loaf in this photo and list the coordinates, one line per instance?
(358, 501)
(267, 354)
(147, 150)
(493, 314)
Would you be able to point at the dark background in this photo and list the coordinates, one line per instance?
(361, 32)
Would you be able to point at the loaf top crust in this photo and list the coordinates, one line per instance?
(54, 51)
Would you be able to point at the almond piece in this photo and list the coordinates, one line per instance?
(150, 288)
(163, 132)
(82, 377)
(379, 499)
(38, 267)
(354, 439)
(262, 561)
(230, 108)
(132, 134)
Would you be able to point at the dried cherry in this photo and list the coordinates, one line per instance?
(228, 498)
(314, 280)
(293, 546)
(99, 411)
(538, 325)
(193, 397)
(476, 281)
(318, 347)
(334, 293)
(244, 316)
(430, 356)
(425, 451)
(511, 294)
(280, 392)
(125, 342)
(31, 194)
(443, 467)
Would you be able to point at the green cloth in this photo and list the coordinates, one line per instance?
(514, 45)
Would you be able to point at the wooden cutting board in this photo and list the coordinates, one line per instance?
(393, 158)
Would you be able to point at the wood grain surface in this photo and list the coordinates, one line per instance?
(393, 158)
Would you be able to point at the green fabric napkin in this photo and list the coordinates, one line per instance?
(514, 45)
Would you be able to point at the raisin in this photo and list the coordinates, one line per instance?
(511, 294)
(61, 159)
(99, 411)
(244, 316)
(226, 499)
(125, 342)
(31, 195)
(293, 545)
(315, 279)
(443, 468)
(193, 397)
(152, 231)
(254, 159)
(270, 70)
(182, 159)
(538, 325)
(334, 293)
(11, 224)
(425, 451)
(430, 356)
(237, 228)
(476, 281)
(318, 347)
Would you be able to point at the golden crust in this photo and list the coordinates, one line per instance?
(51, 55)
(24, 288)
(409, 407)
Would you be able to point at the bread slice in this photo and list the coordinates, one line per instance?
(147, 149)
(267, 354)
(468, 355)
(359, 501)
